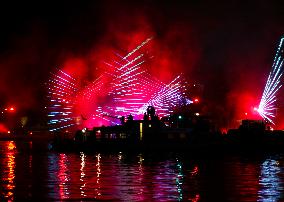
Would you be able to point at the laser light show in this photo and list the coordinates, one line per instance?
(125, 87)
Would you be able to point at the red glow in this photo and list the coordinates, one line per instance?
(196, 100)
(195, 170)
(76, 67)
(223, 131)
(195, 199)
(3, 128)
(123, 86)
(244, 107)
(10, 109)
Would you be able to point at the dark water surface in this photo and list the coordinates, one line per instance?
(36, 174)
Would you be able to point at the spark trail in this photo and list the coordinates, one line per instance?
(267, 105)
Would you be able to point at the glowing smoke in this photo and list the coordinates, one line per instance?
(124, 88)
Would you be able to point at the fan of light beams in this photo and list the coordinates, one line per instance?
(124, 88)
(267, 105)
(61, 89)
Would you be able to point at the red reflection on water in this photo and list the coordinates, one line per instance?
(11, 145)
(30, 156)
(63, 176)
(10, 186)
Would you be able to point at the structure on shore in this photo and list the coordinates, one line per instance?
(151, 131)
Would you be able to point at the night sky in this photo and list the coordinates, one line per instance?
(227, 46)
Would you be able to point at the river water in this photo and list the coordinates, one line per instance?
(30, 173)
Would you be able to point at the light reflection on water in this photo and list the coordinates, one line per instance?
(9, 173)
(114, 177)
(270, 180)
(49, 176)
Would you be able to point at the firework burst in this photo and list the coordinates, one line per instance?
(267, 105)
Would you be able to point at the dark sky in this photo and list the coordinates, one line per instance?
(227, 46)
